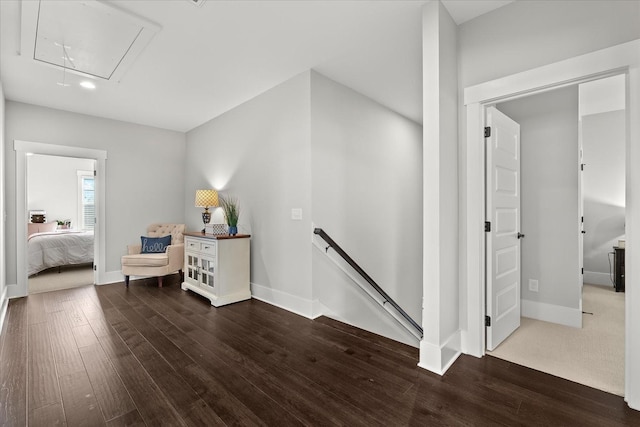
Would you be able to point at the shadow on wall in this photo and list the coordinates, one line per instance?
(604, 225)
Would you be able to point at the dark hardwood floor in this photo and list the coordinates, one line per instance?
(147, 356)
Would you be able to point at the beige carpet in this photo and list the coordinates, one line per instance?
(69, 277)
(593, 355)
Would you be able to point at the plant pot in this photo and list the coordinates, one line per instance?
(233, 230)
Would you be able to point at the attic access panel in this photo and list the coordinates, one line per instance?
(86, 37)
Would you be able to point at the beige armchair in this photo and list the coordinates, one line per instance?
(156, 264)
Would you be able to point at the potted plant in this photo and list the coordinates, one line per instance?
(231, 211)
(64, 225)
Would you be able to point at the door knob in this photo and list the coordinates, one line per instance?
(520, 235)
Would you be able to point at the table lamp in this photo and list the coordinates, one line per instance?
(206, 199)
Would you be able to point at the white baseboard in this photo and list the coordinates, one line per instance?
(286, 301)
(14, 291)
(439, 358)
(111, 277)
(596, 278)
(552, 313)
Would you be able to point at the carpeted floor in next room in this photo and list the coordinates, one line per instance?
(68, 277)
(593, 355)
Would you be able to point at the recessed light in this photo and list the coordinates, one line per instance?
(87, 84)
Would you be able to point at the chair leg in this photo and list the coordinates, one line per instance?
(159, 281)
(126, 281)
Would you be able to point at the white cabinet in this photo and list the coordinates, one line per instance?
(217, 267)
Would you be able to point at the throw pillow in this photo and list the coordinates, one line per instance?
(155, 245)
(32, 228)
(48, 227)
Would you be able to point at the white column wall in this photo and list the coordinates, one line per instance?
(440, 318)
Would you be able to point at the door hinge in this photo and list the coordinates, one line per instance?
(95, 267)
(487, 226)
(487, 320)
(581, 219)
(95, 173)
(582, 270)
(487, 131)
(582, 166)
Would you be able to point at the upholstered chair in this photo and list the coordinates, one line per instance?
(159, 264)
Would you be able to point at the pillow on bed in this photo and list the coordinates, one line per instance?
(155, 245)
(48, 227)
(32, 228)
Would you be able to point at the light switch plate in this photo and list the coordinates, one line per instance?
(296, 214)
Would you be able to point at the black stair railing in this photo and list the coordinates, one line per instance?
(332, 244)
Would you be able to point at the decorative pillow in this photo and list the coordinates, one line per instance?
(155, 245)
(32, 228)
(48, 227)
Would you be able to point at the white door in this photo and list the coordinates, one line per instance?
(503, 239)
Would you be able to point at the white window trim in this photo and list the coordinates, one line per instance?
(82, 174)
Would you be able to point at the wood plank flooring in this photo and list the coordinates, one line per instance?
(147, 356)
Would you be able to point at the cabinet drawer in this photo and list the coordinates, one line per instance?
(208, 248)
(192, 245)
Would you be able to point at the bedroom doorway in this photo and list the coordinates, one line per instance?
(61, 219)
(577, 138)
(97, 158)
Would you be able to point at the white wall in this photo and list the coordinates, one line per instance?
(367, 195)
(527, 34)
(144, 172)
(52, 186)
(549, 198)
(602, 95)
(260, 152)
(441, 298)
(351, 165)
(603, 139)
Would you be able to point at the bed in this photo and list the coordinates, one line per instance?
(59, 248)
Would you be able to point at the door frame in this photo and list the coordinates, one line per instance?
(22, 149)
(619, 59)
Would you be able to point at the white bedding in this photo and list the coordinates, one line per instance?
(63, 247)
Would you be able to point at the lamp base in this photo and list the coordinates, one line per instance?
(206, 218)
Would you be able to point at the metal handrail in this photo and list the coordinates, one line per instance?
(332, 244)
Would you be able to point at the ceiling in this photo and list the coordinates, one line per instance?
(200, 61)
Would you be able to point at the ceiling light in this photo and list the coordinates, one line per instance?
(87, 84)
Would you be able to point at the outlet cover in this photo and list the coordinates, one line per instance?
(296, 214)
(533, 285)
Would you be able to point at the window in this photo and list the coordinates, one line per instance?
(86, 200)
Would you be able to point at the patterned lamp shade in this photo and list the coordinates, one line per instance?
(206, 198)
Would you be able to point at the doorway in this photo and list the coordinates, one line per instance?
(23, 150)
(61, 219)
(561, 335)
(620, 59)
